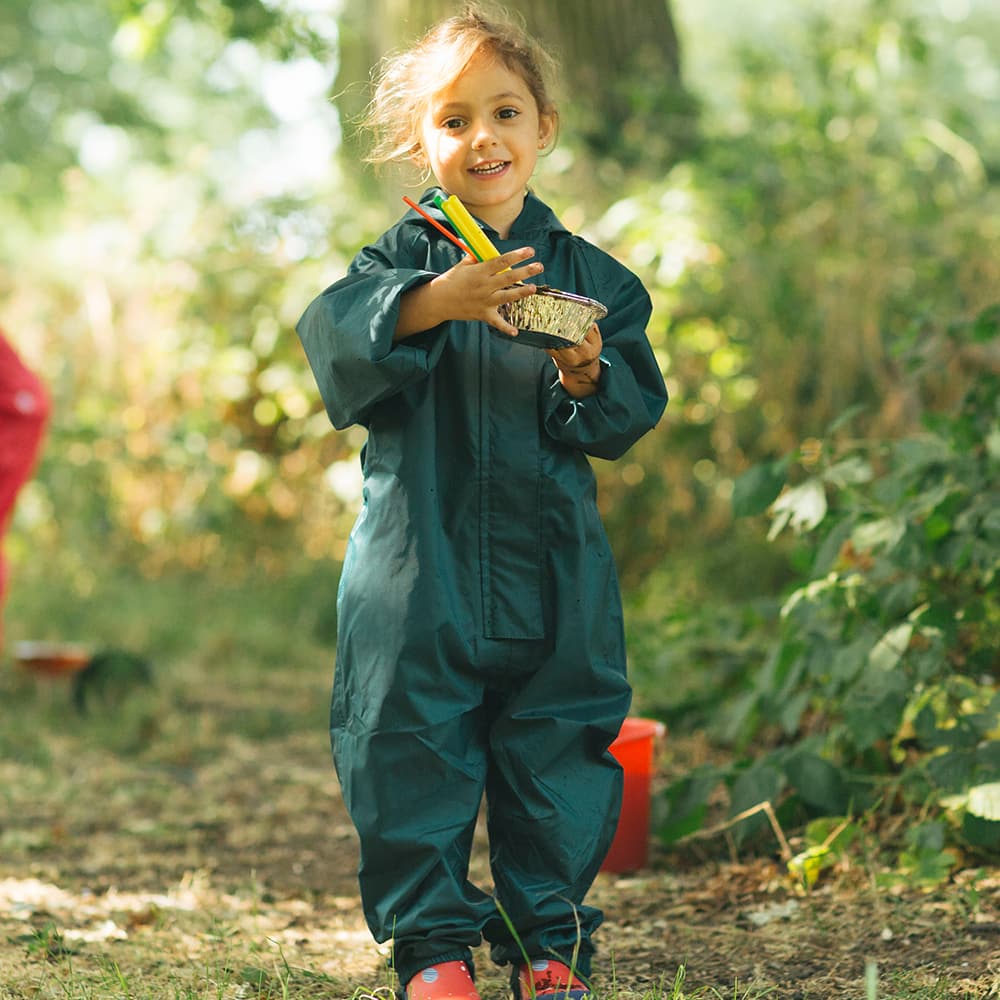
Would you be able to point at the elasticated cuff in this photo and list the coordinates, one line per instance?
(408, 959)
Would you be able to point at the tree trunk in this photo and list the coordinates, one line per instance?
(599, 42)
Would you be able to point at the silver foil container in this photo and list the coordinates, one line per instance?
(551, 318)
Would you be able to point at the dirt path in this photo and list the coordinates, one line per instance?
(231, 874)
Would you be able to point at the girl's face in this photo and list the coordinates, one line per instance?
(481, 135)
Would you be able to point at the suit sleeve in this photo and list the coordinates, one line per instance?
(347, 333)
(631, 395)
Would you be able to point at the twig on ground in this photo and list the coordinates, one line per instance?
(764, 807)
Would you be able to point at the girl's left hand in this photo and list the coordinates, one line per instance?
(579, 366)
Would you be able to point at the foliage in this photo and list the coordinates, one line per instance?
(175, 198)
(164, 244)
(841, 193)
(881, 685)
(158, 240)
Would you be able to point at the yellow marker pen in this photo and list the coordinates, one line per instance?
(467, 227)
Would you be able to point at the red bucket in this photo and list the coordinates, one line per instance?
(633, 749)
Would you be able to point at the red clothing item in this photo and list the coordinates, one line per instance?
(24, 410)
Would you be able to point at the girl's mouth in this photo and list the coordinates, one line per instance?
(490, 169)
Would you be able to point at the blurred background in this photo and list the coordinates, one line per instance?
(812, 196)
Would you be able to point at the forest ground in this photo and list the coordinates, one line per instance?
(204, 852)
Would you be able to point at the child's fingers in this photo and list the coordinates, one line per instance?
(500, 269)
(583, 355)
(515, 259)
(497, 321)
(510, 259)
(512, 293)
(479, 288)
(503, 326)
(589, 348)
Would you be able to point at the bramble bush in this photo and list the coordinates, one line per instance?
(879, 688)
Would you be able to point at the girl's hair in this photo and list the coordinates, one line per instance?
(406, 82)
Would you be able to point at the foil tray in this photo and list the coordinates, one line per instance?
(551, 318)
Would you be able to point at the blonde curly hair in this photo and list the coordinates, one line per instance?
(406, 81)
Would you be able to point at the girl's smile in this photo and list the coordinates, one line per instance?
(491, 169)
(480, 136)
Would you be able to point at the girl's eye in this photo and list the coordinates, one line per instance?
(452, 123)
(508, 113)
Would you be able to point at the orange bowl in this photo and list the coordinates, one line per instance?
(51, 658)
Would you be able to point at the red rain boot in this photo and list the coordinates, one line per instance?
(548, 980)
(446, 981)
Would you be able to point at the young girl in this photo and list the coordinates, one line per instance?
(480, 647)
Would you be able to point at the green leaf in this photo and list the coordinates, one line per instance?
(851, 471)
(889, 650)
(926, 837)
(987, 324)
(818, 783)
(928, 868)
(993, 443)
(807, 864)
(820, 831)
(984, 801)
(829, 551)
(981, 814)
(951, 771)
(792, 710)
(683, 806)
(936, 527)
(988, 757)
(760, 783)
(758, 487)
(913, 455)
(887, 531)
(802, 507)
(847, 416)
(846, 662)
(981, 832)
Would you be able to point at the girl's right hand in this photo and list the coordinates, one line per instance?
(471, 290)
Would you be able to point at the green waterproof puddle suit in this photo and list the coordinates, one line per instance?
(480, 647)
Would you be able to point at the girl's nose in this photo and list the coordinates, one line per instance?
(483, 136)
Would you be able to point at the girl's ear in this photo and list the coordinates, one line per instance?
(420, 162)
(547, 126)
